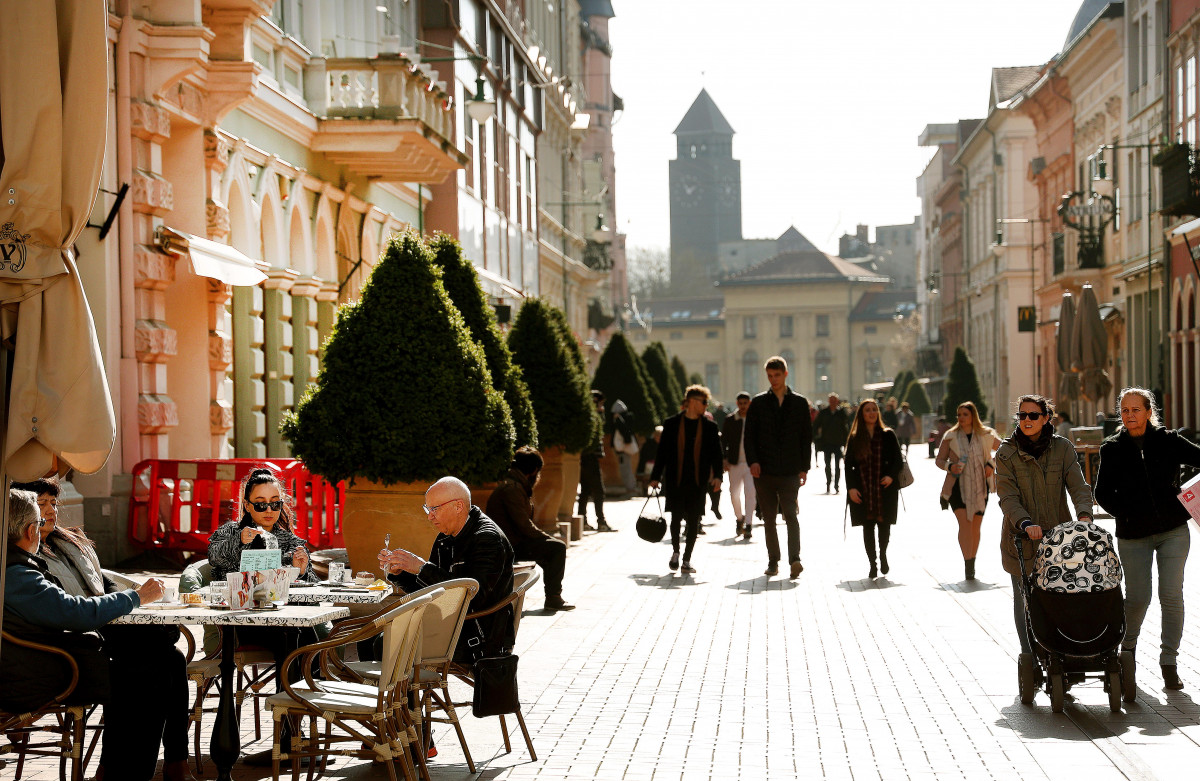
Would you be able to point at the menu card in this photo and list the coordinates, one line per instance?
(267, 558)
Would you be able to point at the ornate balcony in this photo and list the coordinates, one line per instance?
(384, 117)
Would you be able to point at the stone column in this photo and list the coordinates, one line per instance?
(305, 334)
(220, 359)
(277, 356)
(249, 393)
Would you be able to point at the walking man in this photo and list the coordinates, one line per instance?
(778, 443)
(591, 482)
(741, 484)
(688, 467)
(830, 431)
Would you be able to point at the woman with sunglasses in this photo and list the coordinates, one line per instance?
(1035, 470)
(1138, 483)
(266, 522)
(966, 455)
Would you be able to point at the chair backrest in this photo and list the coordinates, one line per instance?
(443, 621)
(522, 582)
(401, 638)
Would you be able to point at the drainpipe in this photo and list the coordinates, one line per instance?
(128, 398)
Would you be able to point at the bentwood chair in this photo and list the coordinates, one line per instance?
(67, 721)
(373, 720)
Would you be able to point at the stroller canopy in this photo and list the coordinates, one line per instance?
(1077, 557)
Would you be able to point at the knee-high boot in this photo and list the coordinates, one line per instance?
(869, 544)
(885, 536)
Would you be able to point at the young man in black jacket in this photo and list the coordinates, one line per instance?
(778, 441)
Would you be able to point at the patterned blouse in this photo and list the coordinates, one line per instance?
(225, 549)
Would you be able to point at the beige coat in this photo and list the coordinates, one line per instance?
(979, 450)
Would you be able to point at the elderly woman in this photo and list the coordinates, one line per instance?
(1138, 484)
(1035, 470)
(136, 652)
(966, 455)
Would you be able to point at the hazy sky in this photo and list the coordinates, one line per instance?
(827, 98)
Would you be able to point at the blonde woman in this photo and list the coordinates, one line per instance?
(966, 454)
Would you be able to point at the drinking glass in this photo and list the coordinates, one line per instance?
(387, 544)
(218, 594)
(337, 572)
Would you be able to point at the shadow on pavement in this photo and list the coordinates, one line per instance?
(1037, 722)
(866, 584)
(763, 584)
(665, 581)
(967, 586)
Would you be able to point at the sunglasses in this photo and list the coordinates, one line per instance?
(1029, 415)
(262, 507)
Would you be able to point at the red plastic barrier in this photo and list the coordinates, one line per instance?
(178, 503)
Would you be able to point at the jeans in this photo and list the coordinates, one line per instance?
(689, 510)
(777, 494)
(741, 484)
(1137, 557)
(1019, 615)
(833, 477)
(591, 486)
(548, 553)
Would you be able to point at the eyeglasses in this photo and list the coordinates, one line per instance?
(262, 507)
(431, 510)
(41, 522)
(1029, 415)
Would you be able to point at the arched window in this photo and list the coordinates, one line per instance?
(752, 375)
(790, 358)
(822, 376)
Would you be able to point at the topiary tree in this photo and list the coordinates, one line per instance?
(659, 368)
(962, 384)
(677, 369)
(558, 386)
(621, 376)
(900, 385)
(918, 400)
(404, 394)
(695, 379)
(462, 285)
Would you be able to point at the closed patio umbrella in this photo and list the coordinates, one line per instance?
(1068, 386)
(1091, 348)
(53, 110)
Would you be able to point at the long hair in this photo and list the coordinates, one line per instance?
(49, 486)
(977, 426)
(264, 476)
(858, 444)
(1147, 397)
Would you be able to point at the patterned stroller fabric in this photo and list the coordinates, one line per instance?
(1076, 557)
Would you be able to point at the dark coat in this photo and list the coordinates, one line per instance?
(667, 466)
(831, 428)
(891, 462)
(779, 436)
(1142, 492)
(731, 439)
(511, 507)
(482, 552)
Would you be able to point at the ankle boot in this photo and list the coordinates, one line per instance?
(1170, 674)
(970, 567)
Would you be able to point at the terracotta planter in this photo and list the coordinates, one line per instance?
(547, 492)
(570, 485)
(371, 510)
(610, 471)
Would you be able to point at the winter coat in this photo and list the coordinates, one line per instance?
(779, 436)
(1037, 489)
(511, 507)
(482, 552)
(831, 428)
(731, 439)
(667, 467)
(891, 462)
(1140, 488)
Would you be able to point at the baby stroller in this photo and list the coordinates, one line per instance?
(1075, 616)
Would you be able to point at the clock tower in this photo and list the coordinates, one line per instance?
(706, 195)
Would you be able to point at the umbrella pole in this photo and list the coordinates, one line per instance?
(3, 476)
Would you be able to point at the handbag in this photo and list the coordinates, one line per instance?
(906, 476)
(651, 528)
(495, 686)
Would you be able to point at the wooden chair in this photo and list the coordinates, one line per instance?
(373, 720)
(56, 717)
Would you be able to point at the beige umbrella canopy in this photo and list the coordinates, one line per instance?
(53, 109)
(1090, 342)
(1068, 388)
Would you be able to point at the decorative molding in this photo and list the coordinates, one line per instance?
(308, 287)
(149, 122)
(220, 351)
(153, 270)
(216, 151)
(152, 194)
(280, 279)
(154, 342)
(328, 292)
(217, 220)
(220, 417)
(156, 413)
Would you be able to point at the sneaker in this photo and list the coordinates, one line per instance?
(687, 568)
(772, 570)
(674, 562)
(797, 568)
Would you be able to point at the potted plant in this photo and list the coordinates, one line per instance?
(562, 403)
(403, 398)
(679, 372)
(622, 376)
(571, 458)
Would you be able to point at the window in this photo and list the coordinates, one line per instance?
(677, 334)
(1190, 92)
(822, 325)
(712, 335)
(870, 329)
(823, 382)
(789, 358)
(1060, 253)
(752, 373)
(749, 327)
(785, 326)
(712, 378)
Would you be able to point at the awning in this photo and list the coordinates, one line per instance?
(495, 280)
(1187, 227)
(212, 259)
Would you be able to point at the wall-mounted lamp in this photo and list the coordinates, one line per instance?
(600, 234)
(479, 108)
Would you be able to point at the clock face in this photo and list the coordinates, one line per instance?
(688, 191)
(727, 190)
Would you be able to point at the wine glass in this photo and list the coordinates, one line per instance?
(387, 544)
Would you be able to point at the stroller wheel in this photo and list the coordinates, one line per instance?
(1058, 690)
(1026, 678)
(1114, 691)
(1128, 676)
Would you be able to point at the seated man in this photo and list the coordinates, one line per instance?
(511, 507)
(37, 609)
(468, 545)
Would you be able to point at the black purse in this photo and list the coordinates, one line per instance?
(652, 528)
(495, 686)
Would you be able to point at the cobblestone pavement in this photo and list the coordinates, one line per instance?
(728, 674)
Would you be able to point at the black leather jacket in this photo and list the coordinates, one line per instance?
(1140, 487)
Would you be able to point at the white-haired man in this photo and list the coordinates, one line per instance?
(468, 545)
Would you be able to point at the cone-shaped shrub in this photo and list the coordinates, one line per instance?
(404, 394)
(462, 284)
(558, 386)
(962, 384)
(559, 318)
(900, 385)
(659, 368)
(918, 400)
(679, 372)
(621, 376)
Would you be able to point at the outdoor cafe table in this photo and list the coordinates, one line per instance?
(225, 745)
(340, 595)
